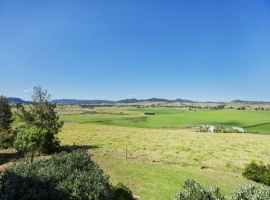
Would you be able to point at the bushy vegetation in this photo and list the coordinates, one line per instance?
(194, 191)
(257, 172)
(7, 138)
(64, 176)
(39, 122)
(42, 115)
(6, 132)
(227, 131)
(251, 191)
(5, 114)
(30, 140)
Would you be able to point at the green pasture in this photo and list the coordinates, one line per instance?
(159, 160)
(154, 154)
(173, 118)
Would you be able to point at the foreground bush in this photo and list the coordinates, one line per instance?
(194, 191)
(253, 192)
(257, 172)
(63, 176)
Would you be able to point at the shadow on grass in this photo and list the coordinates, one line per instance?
(13, 156)
(19, 187)
(9, 156)
(230, 123)
(69, 148)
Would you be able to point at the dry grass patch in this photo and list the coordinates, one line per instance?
(218, 151)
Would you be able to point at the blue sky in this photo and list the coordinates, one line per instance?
(200, 50)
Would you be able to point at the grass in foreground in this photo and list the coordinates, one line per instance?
(160, 160)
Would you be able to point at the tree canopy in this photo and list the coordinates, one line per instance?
(6, 133)
(30, 140)
(42, 115)
(5, 114)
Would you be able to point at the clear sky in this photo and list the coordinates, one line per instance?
(202, 50)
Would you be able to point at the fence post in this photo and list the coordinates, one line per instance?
(126, 153)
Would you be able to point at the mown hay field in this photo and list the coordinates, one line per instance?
(159, 160)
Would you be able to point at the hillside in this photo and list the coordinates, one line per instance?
(77, 101)
(249, 102)
(16, 100)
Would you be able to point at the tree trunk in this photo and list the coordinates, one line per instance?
(32, 157)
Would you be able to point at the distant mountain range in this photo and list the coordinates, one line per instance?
(249, 102)
(76, 101)
(153, 100)
(17, 100)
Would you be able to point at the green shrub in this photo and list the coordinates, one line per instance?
(194, 191)
(204, 130)
(257, 172)
(7, 138)
(63, 176)
(252, 192)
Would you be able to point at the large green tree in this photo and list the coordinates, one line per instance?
(42, 115)
(5, 114)
(6, 133)
(30, 140)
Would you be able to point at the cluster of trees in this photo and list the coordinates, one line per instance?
(65, 175)
(262, 108)
(39, 125)
(241, 108)
(87, 106)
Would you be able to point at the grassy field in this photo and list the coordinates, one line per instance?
(153, 155)
(160, 160)
(165, 118)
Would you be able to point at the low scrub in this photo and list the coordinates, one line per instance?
(194, 191)
(257, 172)
(64, 176)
